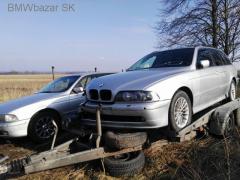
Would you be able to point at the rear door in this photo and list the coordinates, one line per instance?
(222, 71)
(228, 68)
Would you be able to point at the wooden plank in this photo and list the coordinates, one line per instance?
(61, 159)
(45, 164)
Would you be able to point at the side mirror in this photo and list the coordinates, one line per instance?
(78, 90)
(204, 63)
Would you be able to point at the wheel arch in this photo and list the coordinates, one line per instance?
(188, 91)
(171, 120)
(235, 80)
(50, 110)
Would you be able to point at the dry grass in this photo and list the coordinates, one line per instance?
(199, 159)
(15, 86)
(206, 158)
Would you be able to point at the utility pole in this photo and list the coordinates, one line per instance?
(53, 72)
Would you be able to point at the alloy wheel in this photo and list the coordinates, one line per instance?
(233, 91)
(44, 127)
(181, 112)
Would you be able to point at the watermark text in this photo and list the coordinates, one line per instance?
(28, 7)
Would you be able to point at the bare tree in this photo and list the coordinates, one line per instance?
(229, 26)
(213, 23)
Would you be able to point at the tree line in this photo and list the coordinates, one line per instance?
(214, 23)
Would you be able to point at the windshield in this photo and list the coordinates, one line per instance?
(59, 85)
(170, 58)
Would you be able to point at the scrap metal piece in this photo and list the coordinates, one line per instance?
(55, 134)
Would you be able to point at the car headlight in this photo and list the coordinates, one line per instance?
(136, 96)
(8, 117)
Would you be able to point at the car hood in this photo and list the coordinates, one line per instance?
(134, 80)
(12, 105)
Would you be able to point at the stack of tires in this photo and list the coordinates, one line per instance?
(127, 164)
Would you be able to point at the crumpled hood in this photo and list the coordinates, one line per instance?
(12, 105)
(134, 80)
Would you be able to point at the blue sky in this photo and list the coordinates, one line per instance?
(108, 34)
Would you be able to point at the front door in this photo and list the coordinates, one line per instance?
(207, 81)
(76, 99)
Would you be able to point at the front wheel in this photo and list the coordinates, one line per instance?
(180, 112)
(41, 128)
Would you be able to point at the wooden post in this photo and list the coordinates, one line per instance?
(53, 72)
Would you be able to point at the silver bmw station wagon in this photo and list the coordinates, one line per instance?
(162, 89)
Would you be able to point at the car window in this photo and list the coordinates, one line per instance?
(95, 76)
(205, 54)
(217, 58)
(59, 85)
(226, 60)
(84, 81)
(89, 78)
(144, 63)
(81, 82)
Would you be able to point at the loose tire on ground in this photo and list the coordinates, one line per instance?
(124, 140)
(179, 95)
(128, 164)
(32, 127)
(221, 125)
(237, 117)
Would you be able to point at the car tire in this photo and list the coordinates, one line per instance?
(237, 117)
(232, 91)
(230, 127)
(124, 140)
(222, 127)
(184, 114)
(41, 129)
(127, 164)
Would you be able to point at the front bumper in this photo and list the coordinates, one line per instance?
(134, 116)
(14, 129)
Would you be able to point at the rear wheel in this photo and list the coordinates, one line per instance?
(232, 91)
(180, 112)
(41, 128)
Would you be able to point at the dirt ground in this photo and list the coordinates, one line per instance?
(206, 157)
(202, 158)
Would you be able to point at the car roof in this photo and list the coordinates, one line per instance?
(173, 49)
(87, 74)
(190, 47)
